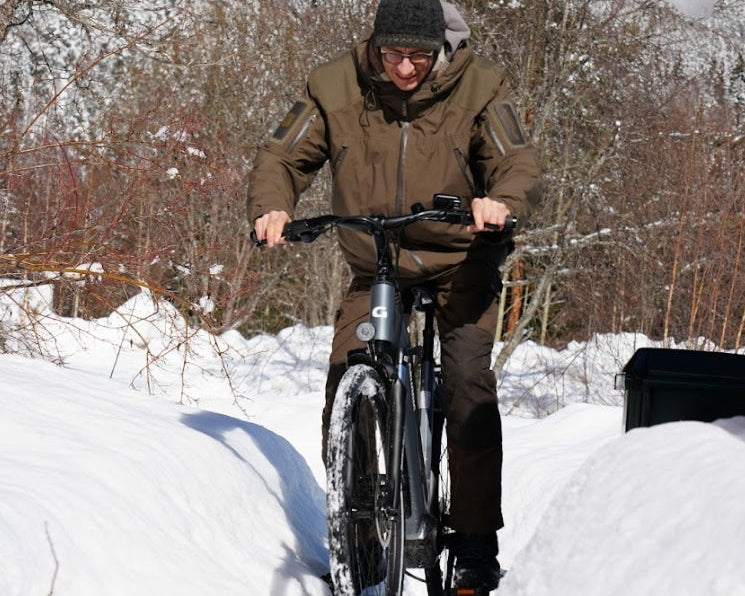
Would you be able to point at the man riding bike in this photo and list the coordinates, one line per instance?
(410, 112)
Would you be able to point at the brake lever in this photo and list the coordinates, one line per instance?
(302, 231)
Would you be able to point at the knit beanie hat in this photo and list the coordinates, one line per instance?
(410, 24)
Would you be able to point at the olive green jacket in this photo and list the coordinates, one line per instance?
(458, 133)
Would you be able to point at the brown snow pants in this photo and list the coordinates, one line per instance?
(466, 314)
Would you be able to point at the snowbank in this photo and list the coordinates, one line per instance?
(113, 481)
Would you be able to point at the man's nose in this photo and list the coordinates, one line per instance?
(406, 67)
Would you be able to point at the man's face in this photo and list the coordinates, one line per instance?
(406, 67)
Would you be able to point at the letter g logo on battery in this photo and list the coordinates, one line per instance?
(380, 312)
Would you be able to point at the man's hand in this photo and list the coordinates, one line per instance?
(487, 211)
(269, 227)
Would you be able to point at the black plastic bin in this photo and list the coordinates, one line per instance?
(665, 385)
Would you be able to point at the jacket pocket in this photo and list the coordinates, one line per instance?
(465, 170)
(339, 158)
(336, 163)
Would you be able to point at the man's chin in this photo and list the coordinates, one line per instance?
(407, 85)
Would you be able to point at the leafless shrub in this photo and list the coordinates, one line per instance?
(128, 133)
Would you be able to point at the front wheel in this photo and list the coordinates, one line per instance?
(440, 574)
(365, 518)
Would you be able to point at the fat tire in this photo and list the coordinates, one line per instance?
(366, 539)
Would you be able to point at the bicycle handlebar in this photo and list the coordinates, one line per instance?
(307, 230)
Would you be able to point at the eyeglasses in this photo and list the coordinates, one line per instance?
(396, 58)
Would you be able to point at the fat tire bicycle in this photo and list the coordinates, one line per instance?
(387, 471)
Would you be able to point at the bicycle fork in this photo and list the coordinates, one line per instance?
(411, 417)
(418, 420)
(420, 527)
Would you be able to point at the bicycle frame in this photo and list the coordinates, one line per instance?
(389, 349)
(413, 423)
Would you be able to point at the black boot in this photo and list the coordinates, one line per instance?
(477, 570)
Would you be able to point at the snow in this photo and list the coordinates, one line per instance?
(665, 506)
(694, 8)
(139, 467)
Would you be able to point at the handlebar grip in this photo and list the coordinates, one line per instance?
(301, 230)
(510, 223)
(255, 239)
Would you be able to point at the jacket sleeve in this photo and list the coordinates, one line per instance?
(504, 159)
(288, 161)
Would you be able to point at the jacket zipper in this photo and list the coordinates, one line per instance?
(400, 190)
(495, 139)
(401, 163)
(300, 133)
